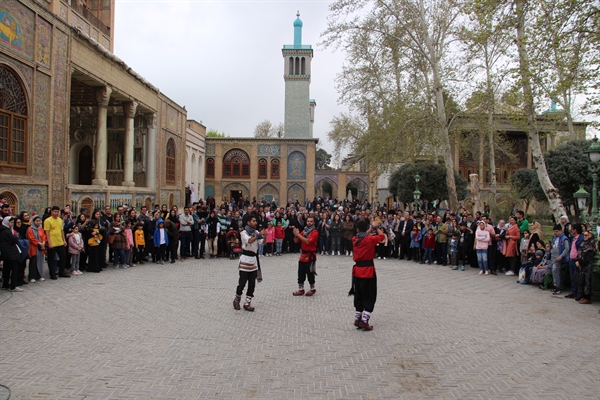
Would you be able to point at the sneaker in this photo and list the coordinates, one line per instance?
(116, 267)
(379, 258)
(570, 296)
(524, 283)
(487, 272)
(384, 258)
(510, 273)
(435, 262)
(462, 268)
(311, 292)
(42, 279)
(74, 273)
(17, 289)
(32, 281)
(454, 268)
(480, 272)
(248, 307)
(124, 266)
(556, 292)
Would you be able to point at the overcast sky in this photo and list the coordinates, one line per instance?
(222, 59)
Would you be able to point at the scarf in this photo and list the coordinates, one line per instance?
(360, 236)
(307, 230)
(250, 230)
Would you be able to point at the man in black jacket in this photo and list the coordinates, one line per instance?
(404, 229)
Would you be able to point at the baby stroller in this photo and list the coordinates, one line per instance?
(234, 245)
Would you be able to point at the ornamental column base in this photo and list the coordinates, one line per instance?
(100, 182)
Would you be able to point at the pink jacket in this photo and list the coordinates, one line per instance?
(73, 247)
(270, 235)
(129, 236)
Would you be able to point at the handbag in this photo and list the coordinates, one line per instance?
(110, 239)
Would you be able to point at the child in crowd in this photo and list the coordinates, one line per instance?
(429, 245)
(454, 251)
(415, 243)
(140, 244)
(270, 239)
(130, 244)
(161, 240)
(279, 236)
(75, 245)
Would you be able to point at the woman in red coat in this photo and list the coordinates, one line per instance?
(512, 246)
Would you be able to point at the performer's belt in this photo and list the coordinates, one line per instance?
(248, 253)
(364, 263)
(306, 251)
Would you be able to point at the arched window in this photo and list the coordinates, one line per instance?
(262, 168)
(297, 66)
(291, 66)
(275, 169)
(13, 123)
(303, 66)
(236, 163)
(170, 161)
(210, 168)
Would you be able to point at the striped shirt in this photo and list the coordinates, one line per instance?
(248, 263)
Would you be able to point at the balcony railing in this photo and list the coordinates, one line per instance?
(90, 17)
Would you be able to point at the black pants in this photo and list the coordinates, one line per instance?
(365, 294)
(249, 277)
(441, 253)
(173, 245)
(160, 252)
(96, 258)
(139, 253)
(10, 272)
(61, 252)
(404, 245)
(416, 253)
(304, 272)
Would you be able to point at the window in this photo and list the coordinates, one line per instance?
(297, 69)
(210, 168)
(236, 164)
(275, 169)
(291, 66)
(303, 66)
(13, 124)
(262, 168)
(170, 161)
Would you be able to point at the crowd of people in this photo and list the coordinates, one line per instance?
(94, 239)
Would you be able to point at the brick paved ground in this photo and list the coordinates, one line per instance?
(170, 332)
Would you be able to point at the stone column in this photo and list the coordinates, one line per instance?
(129, 109)
(151, 151)
(102, 97)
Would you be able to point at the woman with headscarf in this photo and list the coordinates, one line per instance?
(9, 238)
(585, 265)
(37, 250)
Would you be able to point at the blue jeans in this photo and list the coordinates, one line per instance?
(572, 269)
(185, 238)
(119, 255)
(482, 259)
(428, 256)
(279, 245)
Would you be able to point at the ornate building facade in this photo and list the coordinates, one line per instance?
(77, 125)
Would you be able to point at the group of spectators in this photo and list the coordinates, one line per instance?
(127, 237)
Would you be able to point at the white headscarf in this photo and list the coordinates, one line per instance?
(6, 221)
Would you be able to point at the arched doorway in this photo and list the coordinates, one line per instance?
(85, 166)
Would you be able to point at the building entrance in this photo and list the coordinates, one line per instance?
(236, 195)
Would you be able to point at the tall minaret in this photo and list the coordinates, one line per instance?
(299, 108)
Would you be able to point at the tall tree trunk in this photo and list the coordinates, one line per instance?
(491, 132)
(481, 154)
(552, 194)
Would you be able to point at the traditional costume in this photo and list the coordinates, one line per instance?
(307, 267)
(249, 269)
(364, 278)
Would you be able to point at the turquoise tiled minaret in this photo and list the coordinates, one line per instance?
(299, 108)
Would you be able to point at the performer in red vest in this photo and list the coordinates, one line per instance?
(364, 278)
(309, 238)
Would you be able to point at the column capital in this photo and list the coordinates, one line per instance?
(103, 96)
(129, 108)
(150, 120)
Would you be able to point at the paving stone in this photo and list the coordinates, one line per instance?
(170, 332)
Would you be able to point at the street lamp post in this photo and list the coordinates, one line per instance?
(593, 153)
(581, 198)
(417, 193)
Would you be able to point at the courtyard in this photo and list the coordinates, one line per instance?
(170, 332)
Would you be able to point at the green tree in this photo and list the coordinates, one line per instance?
(322, 160)
(432, 184)
(215, 133)
(568, 168)
(327, 189)
(415, 37)
(526, 186)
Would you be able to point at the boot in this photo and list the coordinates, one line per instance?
(311, 291)
(357, 317)
(364, 322)
(300, 291)
(247, 305)
(236, 302)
